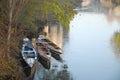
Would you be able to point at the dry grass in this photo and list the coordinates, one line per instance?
(8, 68)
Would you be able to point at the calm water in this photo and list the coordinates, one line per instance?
(89, 52)
(88, 49)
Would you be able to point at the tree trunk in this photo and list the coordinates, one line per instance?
(9, 28)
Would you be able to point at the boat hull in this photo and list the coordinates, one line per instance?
(55, 54)
(44, 61)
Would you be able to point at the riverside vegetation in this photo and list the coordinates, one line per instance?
(21, 18)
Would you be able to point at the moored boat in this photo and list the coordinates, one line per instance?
(29, 54)
(51, 46)
(43, 55)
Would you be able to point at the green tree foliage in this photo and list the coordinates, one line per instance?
(48, 10)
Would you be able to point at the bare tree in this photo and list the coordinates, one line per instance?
(13, 10)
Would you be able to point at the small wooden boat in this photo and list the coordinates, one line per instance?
(52, 46)
(43, 55)
(29, 54)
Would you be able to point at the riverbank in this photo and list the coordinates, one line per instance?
(19, 19)
(10, 70)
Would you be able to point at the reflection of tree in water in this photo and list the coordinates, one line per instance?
(55, 73)
(63, 75)
(116, 44)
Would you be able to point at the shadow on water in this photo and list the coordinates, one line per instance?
(26, 68)
(28, 71)
(57, 72)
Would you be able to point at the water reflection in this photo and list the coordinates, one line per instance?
(111, 8)
(55, 33)
(94, 6)
(109, 16)
(85, 3)
(57, 72)
(116, 12)
(108, 3)
(116, 44)
(113, 14)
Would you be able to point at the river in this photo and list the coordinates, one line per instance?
(90, 51)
